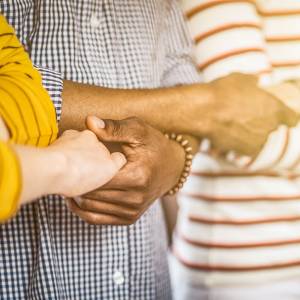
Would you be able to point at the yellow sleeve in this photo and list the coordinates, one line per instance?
(25, 105)
(10, 182)
(27, 111)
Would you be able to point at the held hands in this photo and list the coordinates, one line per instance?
(88, 162)
(154, 165)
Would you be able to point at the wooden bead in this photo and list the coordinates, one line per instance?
(188, 149)
(189, 156)
(187, 169)
(182, 180)
(188, 160)
(173, 136)
(179, 138)
(184, 143)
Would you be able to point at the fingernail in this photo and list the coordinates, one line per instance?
(99, 123)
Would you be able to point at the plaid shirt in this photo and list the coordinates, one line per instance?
(46, 252)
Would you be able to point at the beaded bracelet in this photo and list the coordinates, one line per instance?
(188, 160)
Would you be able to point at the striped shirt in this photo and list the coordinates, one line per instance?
(242, 225)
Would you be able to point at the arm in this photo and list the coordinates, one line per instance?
(27, 117)
(215, 27)
(25, 106)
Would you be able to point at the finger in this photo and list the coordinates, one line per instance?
(118, 159)
(125, 179)
(117, 197)
(103, 207)
(120, 131)
(110, 196)
(95, 219)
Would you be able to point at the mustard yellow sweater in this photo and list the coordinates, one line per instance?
(27, 111)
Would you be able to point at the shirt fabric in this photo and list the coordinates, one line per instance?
(239, 227)
(46, 252)
(27, 110)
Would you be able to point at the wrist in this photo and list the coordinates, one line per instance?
(194, 107)
(184, 160)
(41, 171)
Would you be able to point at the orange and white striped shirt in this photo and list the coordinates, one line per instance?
(243, 225)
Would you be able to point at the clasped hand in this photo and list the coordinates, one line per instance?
(154, 165)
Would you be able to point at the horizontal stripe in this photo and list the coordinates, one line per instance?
(240, 198)
(204, 6)
(280, 64)
(256, 210)
(278, 13)
(245, 268)
(202, 220)
(228, 54)
(185, 276)
(285, 175)
(235, 174)
(283, 38)
(237, 245)
(224, 28)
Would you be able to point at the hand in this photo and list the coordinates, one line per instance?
(239, 116)
(154, 166)
(88, 163)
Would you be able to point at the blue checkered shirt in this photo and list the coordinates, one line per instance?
(45, 251)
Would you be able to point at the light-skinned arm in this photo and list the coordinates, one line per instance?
(73, 165)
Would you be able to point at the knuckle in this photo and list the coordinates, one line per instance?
(133, 215)
(88, 134)
(137, 201)
(143, 180)
(115, 128)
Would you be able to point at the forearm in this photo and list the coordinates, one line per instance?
(163, 108)
(41, 171)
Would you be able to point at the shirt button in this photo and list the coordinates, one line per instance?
(118, 278)
(95, 22)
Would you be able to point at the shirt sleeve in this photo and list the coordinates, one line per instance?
(180, 67)
(10, 183)
(25, 105)
(53, 83)
(27, 110)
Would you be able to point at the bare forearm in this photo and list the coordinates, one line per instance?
(162, 108)
(42, 172)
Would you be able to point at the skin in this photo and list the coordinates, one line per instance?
(127, 196)
(233, 112)
(74, 164)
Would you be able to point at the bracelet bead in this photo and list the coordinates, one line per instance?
(188, 161)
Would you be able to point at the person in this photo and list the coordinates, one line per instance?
(28, 172)
(116, 60)
(237, 232)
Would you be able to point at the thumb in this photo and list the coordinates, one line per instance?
(110, 130)
(119, 159)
